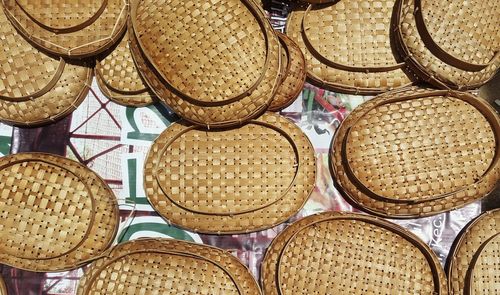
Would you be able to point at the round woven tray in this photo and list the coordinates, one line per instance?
(216, 91)
(402, 153)
(294, 74)
(338, 253)
(474, 260)
(3, 288)
(441, 46)
(162, 266)
(56, 213)
(73, 29)
(119, 79)
(347, 46)
(34, 87)
(230, 181)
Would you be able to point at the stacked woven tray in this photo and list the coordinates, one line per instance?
(474, 261)
(161, 266)
(57, 214)
(232, 180)
(336, 253)
(423, 146)
(414, 152)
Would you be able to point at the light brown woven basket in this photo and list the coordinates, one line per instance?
(417, 152)
(339, 253)
(484, 269)
(447, 43)
(471, 267)
(230, 181)
(35, 88)
(220, 103)
(347, 46)
(56, 213)
(294, 74)
(75, 29)
(119, 79)
(3, 288)
(162, 266)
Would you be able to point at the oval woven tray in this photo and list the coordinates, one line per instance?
(471, 267)
(294, 74)
(440, 45)
(3, 288)
(57, 214)
(230, 181)
(402, 153)
(342, 55)
(162, 266)
(338, 253)
(217, 64)
(75, 29)
(34, 87)
(221, 113)
(119, 79)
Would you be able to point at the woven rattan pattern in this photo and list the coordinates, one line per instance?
(341, 80)
(468, 30)
(56, 213)
(64, 13)
(118, 70)
(353, 33)
(145, 98)
(216, 51)
(459, 193)
(225, 172)
(338, 248)
(484, 275)
(293, 77)
(30, 186)
(26, 71)
(423, 63)
(87, 41)
(397, 150)
(119, 79)
(190, 269)
(64, 98)
(266, 217)
(467, 245)
(227, 115)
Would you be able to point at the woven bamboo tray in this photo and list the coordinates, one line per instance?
(74, 29)
(339, 253)
(347, 46)
(119, 79)
(294, 74)
(35, 88)
(474, 260)
(56, 213)
(447, 43)
(208, 88)
(162, 266)
(417, 152)
(230, 181)
(3, 288)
